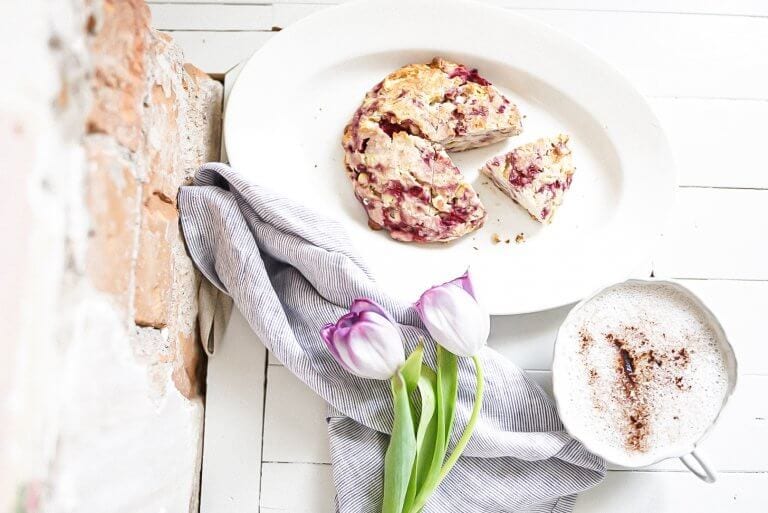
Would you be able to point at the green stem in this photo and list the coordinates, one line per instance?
(423, 495)
(467, 434)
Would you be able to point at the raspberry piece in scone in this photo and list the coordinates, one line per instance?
(535, 175)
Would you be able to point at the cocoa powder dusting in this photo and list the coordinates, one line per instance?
(586, 340)
(631, 375)
(681, 356)
(635, 370)
(637, 366)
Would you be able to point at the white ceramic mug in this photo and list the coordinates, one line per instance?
(689, 456)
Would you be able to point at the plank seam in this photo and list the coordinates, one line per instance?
(509, 8)
(741, 374)
(263, 423)
(723, 187)
(637, 471)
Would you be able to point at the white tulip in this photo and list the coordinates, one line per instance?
(454, 318)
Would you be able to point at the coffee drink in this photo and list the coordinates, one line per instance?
(643, 370)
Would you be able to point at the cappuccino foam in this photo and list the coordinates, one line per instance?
(644, 373)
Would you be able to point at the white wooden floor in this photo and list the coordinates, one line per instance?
(703, 64)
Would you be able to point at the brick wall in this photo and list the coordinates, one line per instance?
(101, 403)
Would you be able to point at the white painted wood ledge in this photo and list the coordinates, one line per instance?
(704, 67)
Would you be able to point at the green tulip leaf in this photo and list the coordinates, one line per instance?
(446, 388)
(401, 453)
(411, 369)
(426, 433)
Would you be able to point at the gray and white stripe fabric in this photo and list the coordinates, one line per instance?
(290, 270)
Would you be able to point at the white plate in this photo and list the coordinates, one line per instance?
(289, 106)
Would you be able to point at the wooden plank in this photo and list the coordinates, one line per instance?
(196, 3)
(682, 58)
(233, 422)
(295, 431)
(297, 488)
(736, 304)
(714, 141)
(733, 7)
(211, 17)
(642, 492)
(528, 339)
(621, 492)
(738, 7)
(294, 425)
(716, 233)
(739, 441)
(218, 52)
(677, 61)
(289, 13)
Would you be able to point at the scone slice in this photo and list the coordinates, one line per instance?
(408, 185)
(535, 175)
(479, 113)
(447, 103)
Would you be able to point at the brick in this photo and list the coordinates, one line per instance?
(111, 197)
(187, 375)
(153, 262)
(163, 148)
(119, 75)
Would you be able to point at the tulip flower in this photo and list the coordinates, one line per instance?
(366, 341)
(453, 316)
(459, 324)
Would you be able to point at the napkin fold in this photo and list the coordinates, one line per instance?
(290, 270)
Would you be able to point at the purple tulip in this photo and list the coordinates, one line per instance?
(453, 316)
(366, 341)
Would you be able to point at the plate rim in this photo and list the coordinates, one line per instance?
(662, 145)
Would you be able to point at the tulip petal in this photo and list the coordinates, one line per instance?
(453, 317)
(370, 354)
(329, 333)
(379, 334)
(363, 304)
(326, 332)
(465, 282)
(366, 344)
(365, 341)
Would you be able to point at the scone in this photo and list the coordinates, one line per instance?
(535, 175)
(395, 149)
(446, 103)
(408, 185)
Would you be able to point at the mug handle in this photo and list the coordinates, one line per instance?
(706, 474)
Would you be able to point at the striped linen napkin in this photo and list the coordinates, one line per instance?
(290, 270)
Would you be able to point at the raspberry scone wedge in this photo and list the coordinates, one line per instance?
(535, 175)
(408, 185)
(446, 103)
(395, 149)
